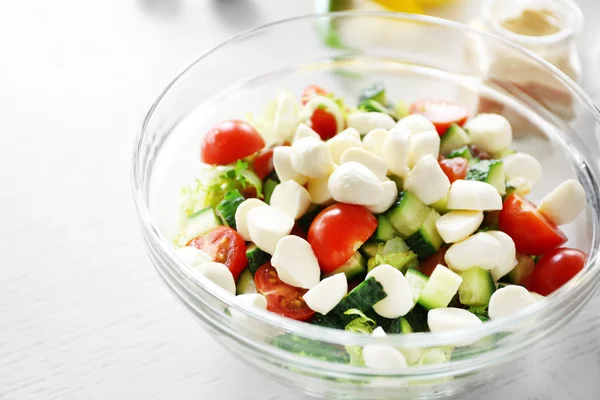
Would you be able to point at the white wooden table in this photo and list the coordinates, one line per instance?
(82, 313)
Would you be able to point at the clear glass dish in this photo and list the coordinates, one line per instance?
(415, 57)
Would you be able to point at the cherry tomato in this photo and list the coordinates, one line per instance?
(263, 164)
(312, 90)
(440, 112)
(455, 168)
(532, 233)
(428, 265)
(338, 231)
(225, 246)
(321, 121)
(229, 141)
(282, 298)
(554, 269)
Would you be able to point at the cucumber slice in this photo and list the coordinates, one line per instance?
(245, 283)
(417, 318)
(489, 171)
(405, 327)
(463, 152)
(352, 268)
(228, 206)
(522, 270)
(268, 188)
(372, 106)
(200, 223)
(441, 206)
(256, 257)
(363, 298)
(376, 92)
(399, 181)
(502, 153)
(417, 281)
(408, 214)
(454, 138)
(476, 288)
(385, 231)
(426, 240)
(441, 287)
(370, 249)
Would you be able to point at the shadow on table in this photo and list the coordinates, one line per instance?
(239, 14)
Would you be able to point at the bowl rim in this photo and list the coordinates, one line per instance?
(335, 336)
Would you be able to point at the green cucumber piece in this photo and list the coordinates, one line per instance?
(370, 249)
(476, 288)
(399, 181)
(405, 327)
(417, 281)
(385, 230)
(440, 289)
(311, 348)
(370, 105)
(200, 223)
(268, 188)
(355, 266)
(426, 240)
(441, 206)
(245, 283)
(256, 257)
(463, 152)
(228, 206)
(417, 318)
(502, 153)
(363, 298)
(394, 245)
(408, 214)
(524, 268)
(375, 91)
(454, 138)
(489, 171)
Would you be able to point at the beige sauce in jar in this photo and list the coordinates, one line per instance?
(533, 22)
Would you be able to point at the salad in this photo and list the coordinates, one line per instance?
(380, 218)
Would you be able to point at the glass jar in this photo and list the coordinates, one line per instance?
(558, 48)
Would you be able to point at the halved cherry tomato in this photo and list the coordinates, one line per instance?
(440, 112)
(428, 265)
(282, 298)
(338, 231)
(454, 168)
(532, 233)
(554, 269)
(263, 164)
(225, 246)
(321, 121)
(229, 141)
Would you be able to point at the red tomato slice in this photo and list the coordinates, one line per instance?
(263, 164)
(532, 233)
(440, 112)
(312, 90)
(455, 168)
(554, 269)
(321, 121)
(428, 265)
(338, 231)
(229, 141)
(282, 298)
(226, 246)
(297, 231)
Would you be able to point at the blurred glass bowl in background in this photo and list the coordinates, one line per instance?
(415, 57)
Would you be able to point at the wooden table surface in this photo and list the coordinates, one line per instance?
(83, 315)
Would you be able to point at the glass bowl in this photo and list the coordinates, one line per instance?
(415, 57)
